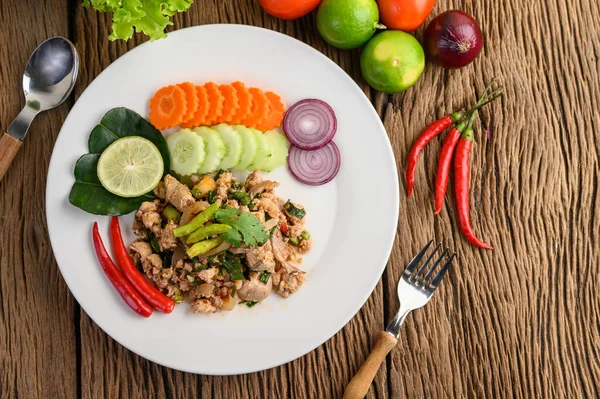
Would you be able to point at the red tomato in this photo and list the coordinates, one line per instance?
(406, 15)
(289, 9)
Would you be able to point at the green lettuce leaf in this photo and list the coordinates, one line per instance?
(150, 17)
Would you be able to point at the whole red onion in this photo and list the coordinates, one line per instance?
(453, 39)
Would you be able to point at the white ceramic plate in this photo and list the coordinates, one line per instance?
(352, 219)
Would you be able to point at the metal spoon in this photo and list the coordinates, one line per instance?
(48, 80)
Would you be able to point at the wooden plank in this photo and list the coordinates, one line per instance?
(37, 335)
(521, 321)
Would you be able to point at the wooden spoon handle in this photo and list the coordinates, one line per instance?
(360, 383)
(9, 146)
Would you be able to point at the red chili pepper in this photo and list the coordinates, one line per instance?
(129, 295)
(150, 293)
(443, 171)
(461, 189)
(438, 127)
(284, 228)
(424, 138)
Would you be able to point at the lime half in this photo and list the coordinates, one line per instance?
(130, 167)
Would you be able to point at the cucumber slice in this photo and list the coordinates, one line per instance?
(215, 149)
(279, 146)
(187, 151)
(249, 147)
(263, 152)
(233, 142)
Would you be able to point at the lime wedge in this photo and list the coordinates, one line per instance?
(130, 167)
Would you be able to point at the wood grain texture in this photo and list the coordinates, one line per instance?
(37, 332)
(520, 321)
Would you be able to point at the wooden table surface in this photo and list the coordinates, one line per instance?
(520, 321)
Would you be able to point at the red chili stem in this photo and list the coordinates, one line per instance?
(150, 293)
(125, 290)
(424, 138)
(461, 190)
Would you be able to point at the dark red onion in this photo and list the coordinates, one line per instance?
(315, 167)
(310, 124)
(453, 39)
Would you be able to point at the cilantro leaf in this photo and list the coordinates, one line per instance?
(246, 228)
(234, 237)
(226, 213)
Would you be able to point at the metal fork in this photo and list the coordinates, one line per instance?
(414, 291)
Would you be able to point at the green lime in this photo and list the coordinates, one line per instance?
(392, 61)
(130, 166)
(347, 24)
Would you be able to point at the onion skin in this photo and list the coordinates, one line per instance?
(453, 39)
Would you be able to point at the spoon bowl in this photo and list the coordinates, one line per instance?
(48, 80)
(50, 74)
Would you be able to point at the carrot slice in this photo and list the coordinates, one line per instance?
(191, 100)
(260, 108)
(215, 99)
(199, 117)
(244, 100)
(167, 107)
(276, 111)
(230, 103)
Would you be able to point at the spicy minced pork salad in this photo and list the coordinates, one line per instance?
(216, 242)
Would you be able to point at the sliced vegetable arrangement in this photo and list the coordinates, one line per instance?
(458, 143)
(208, 149)
(223, 126)
(190, 106)
(314, 158)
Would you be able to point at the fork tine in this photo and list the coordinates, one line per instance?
(424, 265)
(438, 277)
(410, 268)
(430, 272)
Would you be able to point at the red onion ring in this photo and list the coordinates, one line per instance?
(310, 124)
(315, 167)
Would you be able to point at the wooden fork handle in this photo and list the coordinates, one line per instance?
(9, 146)
(360, 383)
